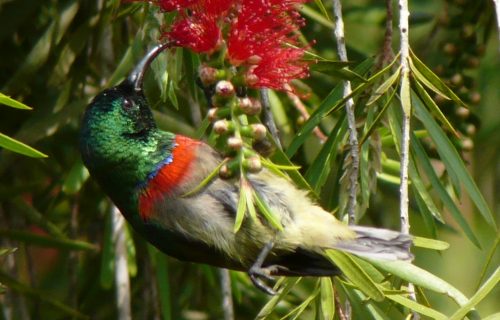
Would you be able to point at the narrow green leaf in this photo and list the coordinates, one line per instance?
(427, 100)
(491, 254)
(430, 243)
(278, 167)
(423, 278)
(242, 205)
(204, 182)
(427, 217)
(6, 251)
(327, 298)
(127, 62)
(40, 52)
(355, 274)
(333, 101)
(77, 175)
(415, 306)
(36, 217)
(162, 275)
(131, 253)
(363, 307)
(419, 187)
(107, 268)
(320, 168)
(268, 308)
(489, 285)
(8, 101)
(452, 160)
(331, 68)
(172, 96)
(42, 295)
(280, 157)
(314, 15)
(378, 117)
(423, 160)
(19, 147)
(432, 80)
(297, 311)
(250, 205)
(47, 241)
(322, 8)
(384, 87)
(267, 212)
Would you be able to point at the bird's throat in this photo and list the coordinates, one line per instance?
(168, 175)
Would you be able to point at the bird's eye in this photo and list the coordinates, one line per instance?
(127, 104)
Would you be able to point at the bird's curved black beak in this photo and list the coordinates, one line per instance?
(136, 77)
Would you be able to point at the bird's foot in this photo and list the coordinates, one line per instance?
(259, 275)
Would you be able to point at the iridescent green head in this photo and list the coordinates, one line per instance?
(119, 140)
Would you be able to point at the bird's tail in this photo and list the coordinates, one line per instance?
(378, 244)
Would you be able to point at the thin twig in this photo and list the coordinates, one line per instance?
(268, 118)
(405, 73)
(353, 134)
(227, 296)
(122, 280)
(496, 3)
(387, 53)
(405, 142)
(301, 108)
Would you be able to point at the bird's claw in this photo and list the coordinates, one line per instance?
(257, 274)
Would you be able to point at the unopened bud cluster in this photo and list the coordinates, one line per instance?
(235, 122)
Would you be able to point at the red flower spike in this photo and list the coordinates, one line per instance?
(210, 7)
(198, 32)
(278, 68)
(171, 5)
(215, 8)
(258, 38)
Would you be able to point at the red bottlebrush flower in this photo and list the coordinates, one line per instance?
(211, 7)
(199, 32)
(258, 38)
(277, 68)
(171, 5)
(260, 26)
(215, 8)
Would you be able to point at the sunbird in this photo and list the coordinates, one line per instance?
(150, 174)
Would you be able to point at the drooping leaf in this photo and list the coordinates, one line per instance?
(453, 161)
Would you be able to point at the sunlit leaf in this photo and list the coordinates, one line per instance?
(327, 298)
(19, 147)
(8, 101)
(430, 243)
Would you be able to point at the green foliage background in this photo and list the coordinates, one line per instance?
(57, 55)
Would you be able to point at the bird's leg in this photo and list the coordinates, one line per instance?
(257, 272)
